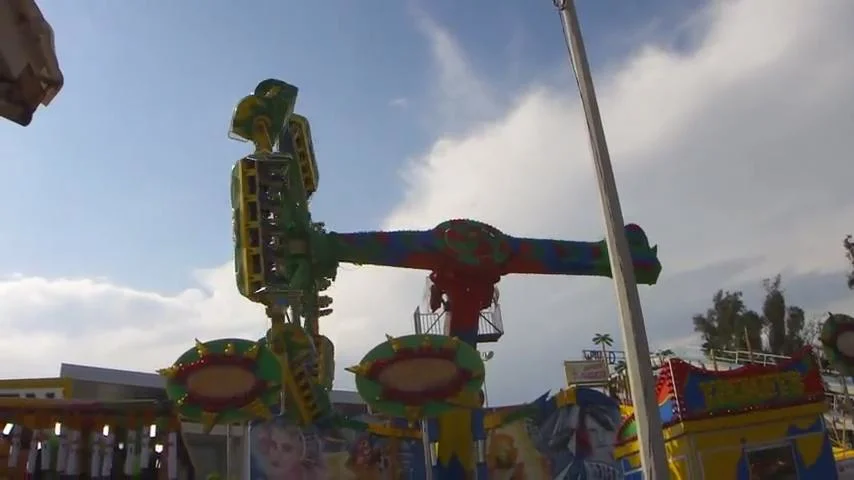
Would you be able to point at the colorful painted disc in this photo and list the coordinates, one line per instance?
(222, 381)
(420, 376)
(837, 341)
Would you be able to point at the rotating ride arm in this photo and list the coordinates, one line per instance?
(270, 193)
(401, 249)
(259, 118)
(306, 399)
(448, 245)
(275, 238)
(273, 231)
(562, 257)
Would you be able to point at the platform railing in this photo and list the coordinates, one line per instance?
(429, 323)
(490, 326)
(744, 357)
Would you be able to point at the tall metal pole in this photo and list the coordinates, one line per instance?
(229, 453)
(846, 402)
(486, 357)
(650, 436)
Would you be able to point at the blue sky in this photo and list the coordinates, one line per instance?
(125, 175)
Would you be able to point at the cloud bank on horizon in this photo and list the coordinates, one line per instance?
(734, 157)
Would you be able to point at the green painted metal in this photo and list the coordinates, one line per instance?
(265, 368)
(465, 357)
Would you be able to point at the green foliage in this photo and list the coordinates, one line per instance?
(753, 323)
(730, 325)
(774, 313)
(723, 326)
(795, 329)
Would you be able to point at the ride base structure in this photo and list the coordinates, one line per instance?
(426, 387)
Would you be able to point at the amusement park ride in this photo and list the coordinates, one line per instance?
(285, 260)
(426, 387)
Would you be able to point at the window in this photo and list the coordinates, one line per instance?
(772, 463)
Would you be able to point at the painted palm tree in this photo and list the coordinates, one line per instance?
(603, 340)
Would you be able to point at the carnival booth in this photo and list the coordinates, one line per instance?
(134, 439)
(754, 422)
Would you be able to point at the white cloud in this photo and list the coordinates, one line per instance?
(734, 157)
(399, 102)
(463, 97)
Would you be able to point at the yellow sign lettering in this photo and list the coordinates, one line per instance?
(752, 391)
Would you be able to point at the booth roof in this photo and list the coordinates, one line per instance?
(80, 406)
(35, 413)
(152, 380)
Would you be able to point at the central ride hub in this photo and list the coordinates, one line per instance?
(474, 254)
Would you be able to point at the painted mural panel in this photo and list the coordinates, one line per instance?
(574, 442)
(282, 451)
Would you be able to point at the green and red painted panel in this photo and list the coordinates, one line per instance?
(420, 376)
(224, 381)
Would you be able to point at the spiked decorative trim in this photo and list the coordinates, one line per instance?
(419, 375)
(226, 380)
